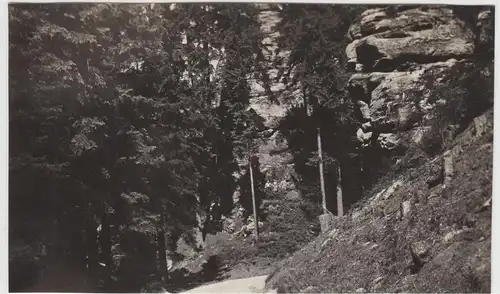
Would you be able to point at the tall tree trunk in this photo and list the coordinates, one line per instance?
(340, 202)
(306, 105)
(207, 61)
(254, 202)
(321, 176)
(162, 254)
(91, 242)
(105, 244)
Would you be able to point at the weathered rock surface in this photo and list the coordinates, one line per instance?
(400, 99)
(407, 53)
(272, 149)
(394, 98)
(485, 26)
(382, 40)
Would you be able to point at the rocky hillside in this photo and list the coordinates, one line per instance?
(428, 231)
(418, 78)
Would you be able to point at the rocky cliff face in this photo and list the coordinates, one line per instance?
(384, 39)
(399, 55)
(273, 154)
(272, 150)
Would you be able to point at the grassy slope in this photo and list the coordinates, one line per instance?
(448, 230)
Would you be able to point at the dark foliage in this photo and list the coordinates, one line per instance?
(116, 121)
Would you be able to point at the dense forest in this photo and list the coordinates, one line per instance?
(129, 122)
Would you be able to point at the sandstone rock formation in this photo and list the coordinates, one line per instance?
(383, 39)
(272, 149)
(399, 56)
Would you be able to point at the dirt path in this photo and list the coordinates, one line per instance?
(248, 285)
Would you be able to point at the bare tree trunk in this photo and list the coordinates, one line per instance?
(105, 243)
(91, 241)
(321, 176)
(340, 202)
(306, 105)
(207, 61)
(254, 202)
(162, 255)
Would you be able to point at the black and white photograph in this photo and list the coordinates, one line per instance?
(250, 147)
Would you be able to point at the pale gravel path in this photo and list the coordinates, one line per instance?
(248, 285)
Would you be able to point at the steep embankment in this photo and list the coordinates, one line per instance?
(428, 231)
(426, 227)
